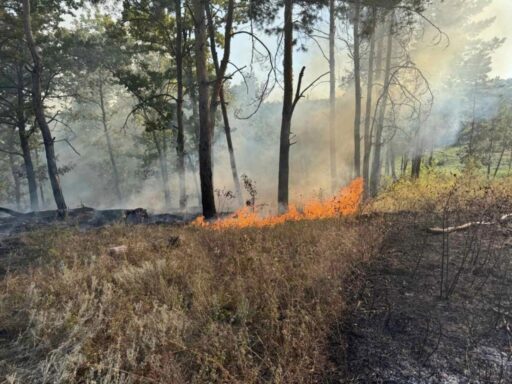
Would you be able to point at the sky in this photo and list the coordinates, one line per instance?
(316, 64)
(502, 10)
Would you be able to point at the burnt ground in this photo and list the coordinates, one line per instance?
(435, 308)
(429, 309)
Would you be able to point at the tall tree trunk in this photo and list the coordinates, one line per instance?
(41, 181)
(284, 144)
(205, 134)
(369, 96)
(218, 88)
(376, 164)
(180, 140)
(37, 100)
(332, 94)
(24, 142)
(113, 164)
(357, 80)
(15, 173)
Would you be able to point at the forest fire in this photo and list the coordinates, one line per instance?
(345, 203)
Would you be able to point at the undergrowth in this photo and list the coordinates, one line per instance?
(249, 306)
(435, 188)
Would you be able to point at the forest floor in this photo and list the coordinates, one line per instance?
(403, 331)
(373, 298)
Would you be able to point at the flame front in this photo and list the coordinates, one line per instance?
(346, 202)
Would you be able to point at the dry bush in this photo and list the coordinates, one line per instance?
(248, 306)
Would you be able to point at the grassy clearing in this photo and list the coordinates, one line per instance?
(251, 305)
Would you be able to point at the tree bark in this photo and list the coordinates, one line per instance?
(332, 94)
(218, 89)
(115, 172)
(357, 80)
(416, 166)
(368, 111)
(15, 175)
(376, 164)
(205, 134)
(284, 144)
(41, 181)
(24, 142)
(39, 111)
(180, 139)
(499, 162)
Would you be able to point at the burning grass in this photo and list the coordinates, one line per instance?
(345, 203)
(240, 305)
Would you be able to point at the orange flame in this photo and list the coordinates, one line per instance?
(346, 202)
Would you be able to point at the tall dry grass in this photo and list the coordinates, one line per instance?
(234, 306)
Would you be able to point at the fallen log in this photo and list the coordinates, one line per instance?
(10, 212)
(439, 230)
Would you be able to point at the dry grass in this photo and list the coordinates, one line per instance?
(437, 191)
(247, 306)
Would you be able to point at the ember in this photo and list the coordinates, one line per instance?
(346, 202)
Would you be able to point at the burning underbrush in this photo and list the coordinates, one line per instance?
(181, 304)
(345, 203)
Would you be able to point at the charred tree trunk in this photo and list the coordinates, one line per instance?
(205, 134)
(180, 139)
(416, 166)
(376, 164)
(39, 111)
(357, 80)
(332, 93)
(24, 142)
(284, 144)
(218, 89)
(104, 121)
(405, 163)
(368, 112)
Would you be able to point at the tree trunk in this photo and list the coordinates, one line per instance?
(41, 181)
(405, 163)
(332, 94)
(218, 89)
(15, 174)
(499, 162)
(376, 164)
(115, 172)
(24, 142)
(232, 161)
(40, 113)
(180, 139)
(205, 134)
(357, 80)
(416, 167)
(368, 112)
(284, 144)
